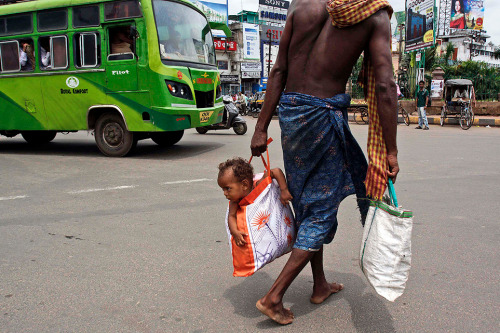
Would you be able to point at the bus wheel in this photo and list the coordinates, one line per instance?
(38, 137)
(201, 130)
(112, 137)
(167, 139)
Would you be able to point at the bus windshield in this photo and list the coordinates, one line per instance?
(183, 33)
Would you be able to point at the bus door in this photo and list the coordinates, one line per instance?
(121, 68)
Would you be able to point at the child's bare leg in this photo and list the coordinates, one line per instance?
(272, 303)
(321, 289)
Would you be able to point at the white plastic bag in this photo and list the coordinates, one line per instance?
(270, 227)
(385, 255)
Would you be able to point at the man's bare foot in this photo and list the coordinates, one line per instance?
(277, 313)
(319, 296)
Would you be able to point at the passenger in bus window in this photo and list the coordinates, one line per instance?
(44, 54)
(174, 44)
(26, 57)
(121, 42)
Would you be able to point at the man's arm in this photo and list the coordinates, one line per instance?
(275, 86)
(379, 50)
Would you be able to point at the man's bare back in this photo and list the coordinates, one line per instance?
(321, 57)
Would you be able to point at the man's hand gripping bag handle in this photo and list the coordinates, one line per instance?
(266, 165)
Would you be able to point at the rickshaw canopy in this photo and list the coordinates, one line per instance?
(458, 82)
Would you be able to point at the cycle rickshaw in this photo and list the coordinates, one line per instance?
(458, 94)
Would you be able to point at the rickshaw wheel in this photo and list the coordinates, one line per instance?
(466, 119)
(443, 116)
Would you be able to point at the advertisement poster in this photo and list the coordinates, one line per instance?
(437, 87)
(251, 41)
(215, 10)
(419, 24)
(467, 14)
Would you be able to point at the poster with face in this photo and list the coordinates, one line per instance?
(467, 14)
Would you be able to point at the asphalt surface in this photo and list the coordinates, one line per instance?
(138, 244)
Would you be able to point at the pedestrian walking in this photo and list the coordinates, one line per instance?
(323, 161)
(421, 100)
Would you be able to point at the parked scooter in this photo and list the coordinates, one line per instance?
(230, 119)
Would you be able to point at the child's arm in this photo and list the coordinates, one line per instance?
(233, 229)
(280, 178)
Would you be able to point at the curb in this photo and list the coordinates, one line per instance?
(436, 120)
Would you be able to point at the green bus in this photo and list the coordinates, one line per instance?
(127, 70)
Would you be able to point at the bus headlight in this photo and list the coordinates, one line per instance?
(178, 89)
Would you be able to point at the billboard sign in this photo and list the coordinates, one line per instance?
(467, 14)
(270, 32)
(224, 45)
(215, 10)
(251, 67)
(273, 11)
(275, 3)
(251, 41)
(419, 24)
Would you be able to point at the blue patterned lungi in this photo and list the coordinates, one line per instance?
(323, 163)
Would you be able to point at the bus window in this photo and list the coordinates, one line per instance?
(44, 53)
(52, 20)
(17, 55)
(87, 49)
(121, 43)
(86, 16)
(16, 24)
(183, 33)
(9, 52)
(59, 52)
(121, 9)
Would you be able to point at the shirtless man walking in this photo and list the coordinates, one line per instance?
(323, 161)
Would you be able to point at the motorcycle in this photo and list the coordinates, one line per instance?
(230, 119)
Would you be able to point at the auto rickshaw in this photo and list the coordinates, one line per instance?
(458, 94)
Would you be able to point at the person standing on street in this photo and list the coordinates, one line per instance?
(243, 103)
(321, 43)
(421, 100)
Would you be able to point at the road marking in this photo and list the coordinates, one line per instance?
(102, 189)
(188, 181)
(14, 197)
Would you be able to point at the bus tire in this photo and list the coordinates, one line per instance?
(112, 137)
(201, 130)
(167, 139)
(38, 137)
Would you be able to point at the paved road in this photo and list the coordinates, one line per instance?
(138, 244)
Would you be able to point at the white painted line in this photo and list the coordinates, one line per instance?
(14, 197)
(102, 189)
(188, 181)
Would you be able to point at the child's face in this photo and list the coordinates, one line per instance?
(234, 190)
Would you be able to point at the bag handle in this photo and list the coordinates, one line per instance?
(266, 165)
(392, 193)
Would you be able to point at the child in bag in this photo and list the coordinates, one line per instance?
(259, 219)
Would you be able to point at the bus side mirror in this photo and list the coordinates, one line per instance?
(133, 32)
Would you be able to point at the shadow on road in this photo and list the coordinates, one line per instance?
(146, 149)
(368, 312)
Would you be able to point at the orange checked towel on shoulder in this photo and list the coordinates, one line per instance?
(345, 13)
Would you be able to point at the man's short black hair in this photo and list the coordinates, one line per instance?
(422, 81)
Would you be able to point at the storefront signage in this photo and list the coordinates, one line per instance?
(229, 78)
(270, 32)
(275, 3)
(251, 67)
(252, 75)
(251, 41)
(225, 45)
